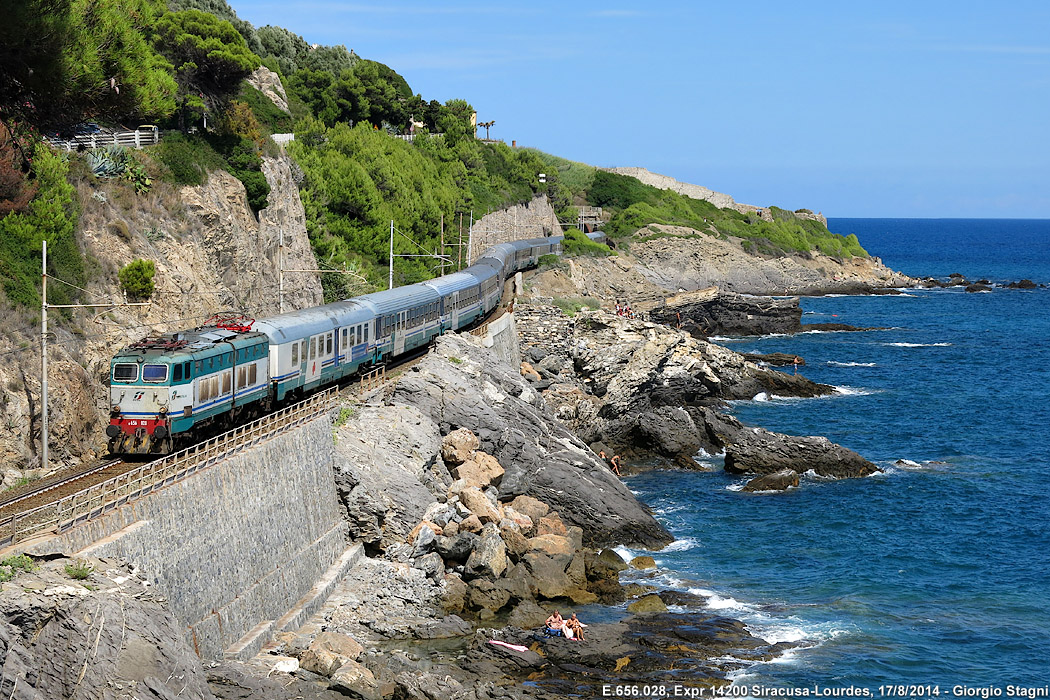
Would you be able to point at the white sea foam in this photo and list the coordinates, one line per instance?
(682, 545)
(735, 487)
(853, 391)
(760, 396)
(833, 363)
(917, 345)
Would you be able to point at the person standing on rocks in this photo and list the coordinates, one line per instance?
(615, 464)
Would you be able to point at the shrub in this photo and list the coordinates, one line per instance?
(11, 566)
(577, 243)
(574, 304)
(188, 158)
(79, 570)
(137, 278)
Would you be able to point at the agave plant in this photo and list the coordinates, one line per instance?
(111, 161)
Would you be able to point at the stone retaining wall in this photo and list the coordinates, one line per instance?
(234, 546)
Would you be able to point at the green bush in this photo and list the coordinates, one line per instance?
(11, 566)
(137, 278)
(570, 306)
(577, 243)
(188, 158)
(79, 570)
(50, 215)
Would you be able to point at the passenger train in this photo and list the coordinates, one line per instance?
(170, 390)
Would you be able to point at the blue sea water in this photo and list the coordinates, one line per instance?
(936, 571)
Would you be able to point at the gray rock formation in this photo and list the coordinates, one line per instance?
(759, 451)
(108, 636)
(386, 458)
(540, 457)
(708, 312)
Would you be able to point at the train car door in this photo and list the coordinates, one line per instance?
(455, 310)
(399, 332)
(314, 361)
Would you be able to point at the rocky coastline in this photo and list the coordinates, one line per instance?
(478, 494)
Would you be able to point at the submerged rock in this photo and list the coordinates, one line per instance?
(778, 481)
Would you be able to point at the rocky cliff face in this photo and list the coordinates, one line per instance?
(685, 260)
(211, 254)
(107, 636)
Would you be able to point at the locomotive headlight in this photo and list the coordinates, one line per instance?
(115, 409)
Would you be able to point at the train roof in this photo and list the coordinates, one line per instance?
(186, 343)
(400, 298)
(455, 282)
(318, 319)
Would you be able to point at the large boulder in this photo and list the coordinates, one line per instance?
(356, 681)
(541, 458)
(328, 652)
(480, 470)
(479, 504)
(489, 558)
(110, 637)
(779, 481)
(758, 451)
(458, 446)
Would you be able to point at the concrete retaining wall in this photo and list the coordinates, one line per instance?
(502, 337)
(236, 545)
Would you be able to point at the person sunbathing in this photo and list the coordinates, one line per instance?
(576, 626)
(555, 624)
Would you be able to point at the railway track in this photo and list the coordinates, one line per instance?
(51, 483)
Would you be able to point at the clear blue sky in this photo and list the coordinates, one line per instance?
(912, 109)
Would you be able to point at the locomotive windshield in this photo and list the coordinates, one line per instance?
(154, 373)
(125, 372)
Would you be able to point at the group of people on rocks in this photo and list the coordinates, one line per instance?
(625, 310)
(572, 628)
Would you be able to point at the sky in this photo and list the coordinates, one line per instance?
(855, 109)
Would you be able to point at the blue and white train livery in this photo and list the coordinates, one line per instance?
(171, 389)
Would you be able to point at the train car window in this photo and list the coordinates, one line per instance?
(366, 334)
(295, 354)
(346, 338)
(198, 366)
(227, 379)
(177, 376)
(253, 374)
(186, 370)
(242, 376)
(155, 373)
(329, 344)
(204, 390)
(313, 348)
(125, 372)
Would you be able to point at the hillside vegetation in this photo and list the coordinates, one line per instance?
(183, 66)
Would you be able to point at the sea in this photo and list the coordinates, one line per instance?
(936, 572)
